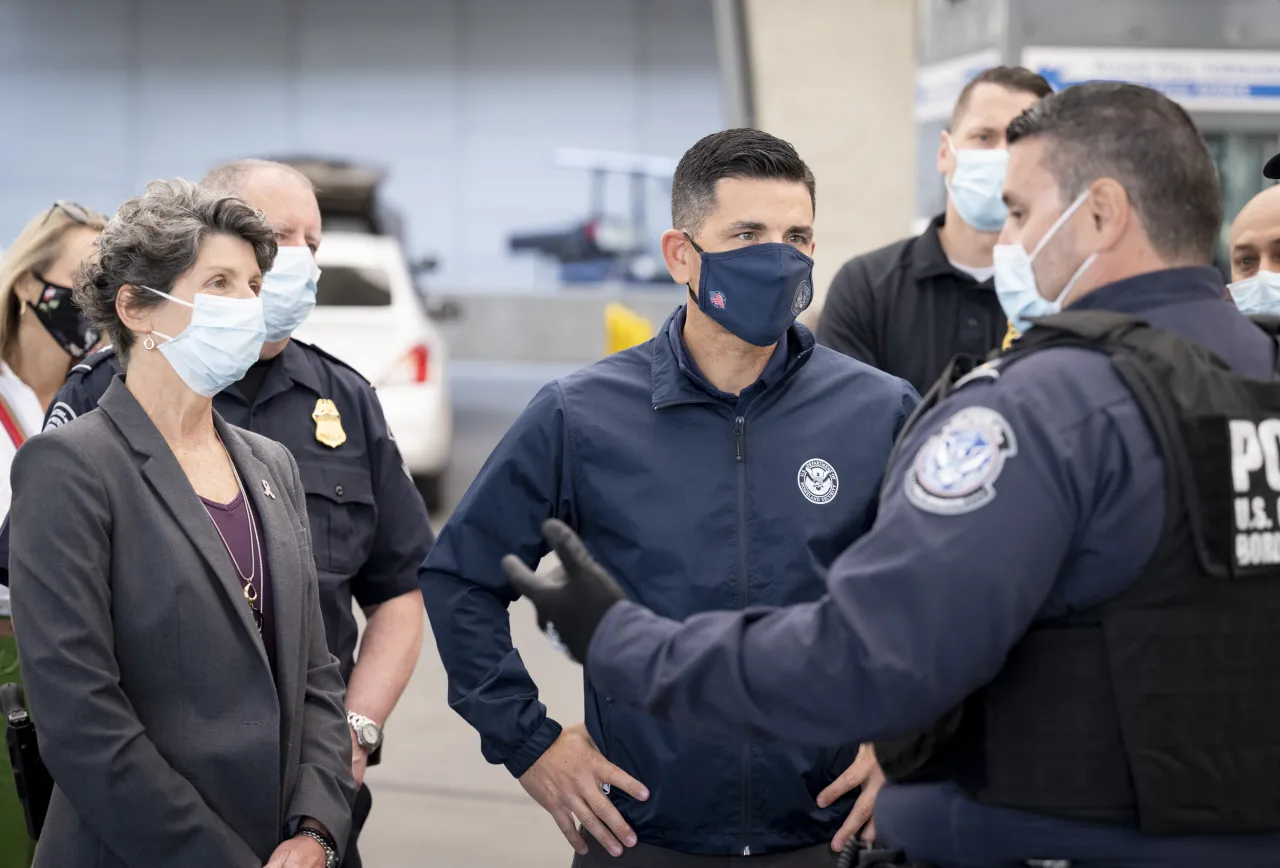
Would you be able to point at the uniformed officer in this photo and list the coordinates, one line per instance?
(1075, 571)
(368, 522)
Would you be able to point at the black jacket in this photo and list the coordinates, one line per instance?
(906, 310)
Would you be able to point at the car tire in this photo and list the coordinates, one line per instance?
(432, 490)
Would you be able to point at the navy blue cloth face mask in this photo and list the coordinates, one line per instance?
(754, 292)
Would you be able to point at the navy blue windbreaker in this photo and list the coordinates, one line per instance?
(695, 501)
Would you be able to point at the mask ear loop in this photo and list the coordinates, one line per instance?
(700, 251)
(1057, 224)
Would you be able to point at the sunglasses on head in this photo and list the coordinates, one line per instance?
(80, 214)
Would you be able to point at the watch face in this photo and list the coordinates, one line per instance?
(369, 734)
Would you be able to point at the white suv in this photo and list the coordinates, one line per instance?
(369, 314)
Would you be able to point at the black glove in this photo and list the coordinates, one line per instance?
(573, 598)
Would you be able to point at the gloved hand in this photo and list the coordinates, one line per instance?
(573, 598)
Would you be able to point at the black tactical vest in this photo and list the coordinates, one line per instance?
(1159, 709)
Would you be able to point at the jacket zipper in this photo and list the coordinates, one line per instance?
(740, 452)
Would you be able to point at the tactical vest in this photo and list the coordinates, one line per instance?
(1159, 709)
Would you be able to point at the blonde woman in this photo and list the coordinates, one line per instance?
(41, 335)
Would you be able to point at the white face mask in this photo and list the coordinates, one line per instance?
(289, 291)
(976, 186)
(1257, 294)
(219, 345)
(1016, 280)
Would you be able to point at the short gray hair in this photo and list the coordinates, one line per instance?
(1146, 142)
(154, 239)
(234, 176)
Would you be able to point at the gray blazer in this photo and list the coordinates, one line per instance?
(170, 741)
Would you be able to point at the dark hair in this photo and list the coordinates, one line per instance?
(739, 153)
(1018, 79)
(1146, 142)
(154, 239)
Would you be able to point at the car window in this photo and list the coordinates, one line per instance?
(344, 286)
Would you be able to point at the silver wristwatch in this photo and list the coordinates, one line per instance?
(368, 733)
(330, 851)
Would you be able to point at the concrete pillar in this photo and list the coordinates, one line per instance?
(836, 78)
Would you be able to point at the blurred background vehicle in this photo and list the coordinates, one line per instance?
(606, 247)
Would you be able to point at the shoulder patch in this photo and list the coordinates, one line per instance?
(59, 415)
(956, 469)
(329, 357)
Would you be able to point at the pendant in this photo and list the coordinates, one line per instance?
(250, 594)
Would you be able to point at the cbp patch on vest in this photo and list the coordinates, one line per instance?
(956, 469)
(60, 415)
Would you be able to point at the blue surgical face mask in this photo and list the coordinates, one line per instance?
(1257, 294)
(289, 291)
(754, 292)
(977, 186)
(220, 343)
(1016, 280)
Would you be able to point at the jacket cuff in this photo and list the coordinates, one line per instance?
(321, 797)
(534, 747)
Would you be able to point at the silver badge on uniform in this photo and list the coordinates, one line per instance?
(956, 469)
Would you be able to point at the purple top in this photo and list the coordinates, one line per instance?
(233, 520)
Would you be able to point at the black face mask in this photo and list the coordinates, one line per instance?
(62, 319)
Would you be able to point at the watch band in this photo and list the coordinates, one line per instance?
(329, 845)
(358, 722)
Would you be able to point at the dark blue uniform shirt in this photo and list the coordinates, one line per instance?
(922, 610)
(697, 501)
(369, 526)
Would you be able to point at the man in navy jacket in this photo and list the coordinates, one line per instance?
(722, 465)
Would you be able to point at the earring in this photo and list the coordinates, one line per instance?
(149, 343)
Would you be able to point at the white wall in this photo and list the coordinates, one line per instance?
(463, 100)
(843, 94)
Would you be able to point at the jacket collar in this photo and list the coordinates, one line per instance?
(929, 260)
(290, 367)
(1137, 295)
(674, 380)
(162, 471)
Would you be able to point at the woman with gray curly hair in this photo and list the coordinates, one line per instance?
(164, 592)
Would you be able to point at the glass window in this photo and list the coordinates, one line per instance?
(344, 286)
(1239, 158)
